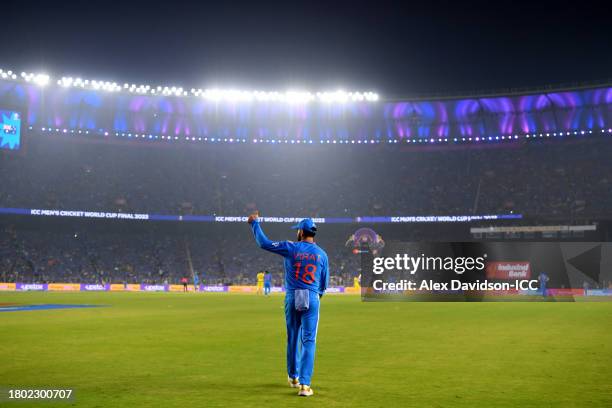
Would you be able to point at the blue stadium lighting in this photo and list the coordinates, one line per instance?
(413, 140)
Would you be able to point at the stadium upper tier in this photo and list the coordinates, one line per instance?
(542, 180)
(142, 113)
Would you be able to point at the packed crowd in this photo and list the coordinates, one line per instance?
(569, 178)
(151, 257)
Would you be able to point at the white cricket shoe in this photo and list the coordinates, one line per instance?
(305, 391)
(293, 382)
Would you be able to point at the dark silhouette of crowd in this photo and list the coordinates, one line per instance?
(152, 257)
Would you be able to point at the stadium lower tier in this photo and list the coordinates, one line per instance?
(40, 251)
(99, 252)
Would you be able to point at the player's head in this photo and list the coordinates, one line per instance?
(305, 229)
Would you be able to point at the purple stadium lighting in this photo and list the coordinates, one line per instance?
(340, 117)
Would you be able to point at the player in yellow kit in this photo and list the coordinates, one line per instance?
(260, 282)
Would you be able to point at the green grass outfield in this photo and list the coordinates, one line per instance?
(203, 350)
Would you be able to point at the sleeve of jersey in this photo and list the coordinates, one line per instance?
(324, 277)
(278, 247)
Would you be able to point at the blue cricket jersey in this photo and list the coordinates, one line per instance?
(306, 264)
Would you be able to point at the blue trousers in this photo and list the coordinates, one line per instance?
(267, 288)
(301, 337)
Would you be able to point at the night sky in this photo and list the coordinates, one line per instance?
(395, 48)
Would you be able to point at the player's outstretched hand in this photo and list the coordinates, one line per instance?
(253, 217)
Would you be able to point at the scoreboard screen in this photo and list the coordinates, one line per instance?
(10, 130)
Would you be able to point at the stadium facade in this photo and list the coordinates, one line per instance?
(194, 117)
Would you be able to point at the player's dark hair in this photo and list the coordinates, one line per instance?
(306, 233)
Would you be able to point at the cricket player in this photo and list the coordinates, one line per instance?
(196, 282)
(357, 282)
(306, 279)
(260, 282)
(543, 278)
(267, 283)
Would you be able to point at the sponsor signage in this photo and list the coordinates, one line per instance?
(154, 288)
(31, 286)
(599, 292)
(335, 289)
(7, 286)
(122, 287)
(243, 289)
(207, 288)
(508, 270)
(86, 287)
(64, 286)
(46, 212)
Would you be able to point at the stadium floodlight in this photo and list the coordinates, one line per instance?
(38, 79)
(219, 95)
(290, 96)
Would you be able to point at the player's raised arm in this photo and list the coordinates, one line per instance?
(278, 247)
